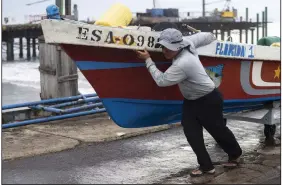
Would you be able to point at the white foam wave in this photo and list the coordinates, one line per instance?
(26, 74)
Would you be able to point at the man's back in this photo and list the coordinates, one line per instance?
(197, 83)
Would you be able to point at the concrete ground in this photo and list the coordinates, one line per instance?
(260, 164)
(57, 136)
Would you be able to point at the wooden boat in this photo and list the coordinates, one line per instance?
(247, 75)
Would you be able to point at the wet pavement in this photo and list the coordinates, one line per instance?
(152, 158)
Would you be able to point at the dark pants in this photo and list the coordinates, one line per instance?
(207, 112)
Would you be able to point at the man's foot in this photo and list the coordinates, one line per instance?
(271, 141)
(199, 172)
(232, 163)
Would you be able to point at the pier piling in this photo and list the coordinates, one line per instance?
(222, 34)
(216, 33)
(33, 47)
(28, 48)
(228, 32)
(10, 49)
(21, 48)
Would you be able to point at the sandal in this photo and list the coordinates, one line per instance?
(232, 163)
(199, 172)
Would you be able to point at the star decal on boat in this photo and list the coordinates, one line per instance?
(277, 73)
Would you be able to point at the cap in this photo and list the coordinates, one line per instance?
(172, 39)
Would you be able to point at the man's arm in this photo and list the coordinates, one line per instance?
(201, 39)
(172, 76)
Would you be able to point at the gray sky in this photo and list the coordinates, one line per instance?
(16, 10)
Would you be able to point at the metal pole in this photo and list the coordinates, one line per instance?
(252, 36)
(222, 34)
(262, 23)
(48, 109)
(154, 3)
(247, 19)
(67, 7)
(216, 33)
(87, 100)
(247, 14)
(265, 16)
(240, 34)
(60, 4)
(257, 26)
(228, 33)
(204, 8)
(71, 110)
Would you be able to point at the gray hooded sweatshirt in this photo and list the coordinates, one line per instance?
(186, 70)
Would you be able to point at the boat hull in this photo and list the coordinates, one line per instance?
(132, 98)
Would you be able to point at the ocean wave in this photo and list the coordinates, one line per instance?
(26, 74)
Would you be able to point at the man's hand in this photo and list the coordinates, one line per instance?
(144, 55)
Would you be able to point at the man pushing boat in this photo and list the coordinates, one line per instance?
(203, 103)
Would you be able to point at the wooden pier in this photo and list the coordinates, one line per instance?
(29, 32)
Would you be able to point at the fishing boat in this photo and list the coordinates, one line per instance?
(247, 75)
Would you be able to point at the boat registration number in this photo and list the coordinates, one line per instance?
(234, 50)
(118, 38)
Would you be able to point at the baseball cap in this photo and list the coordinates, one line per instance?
(172, 39)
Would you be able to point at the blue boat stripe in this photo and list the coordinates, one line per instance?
(92, 65)
(274, 98)
(239, 101)
(137, 113)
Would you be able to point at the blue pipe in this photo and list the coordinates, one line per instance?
(54, 100)
(82, 107)
(48, 109)
(87, 100)
(82, 95)
(52, 118)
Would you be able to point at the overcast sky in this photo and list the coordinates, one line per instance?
(16, 10)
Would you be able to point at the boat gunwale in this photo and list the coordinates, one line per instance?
(51, 26)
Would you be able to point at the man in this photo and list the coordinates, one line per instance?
(203, 104)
